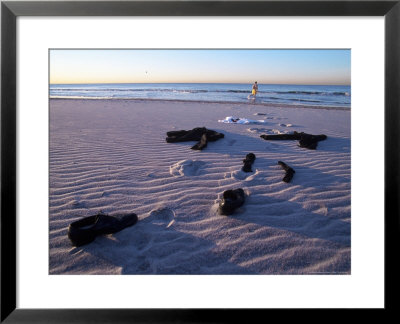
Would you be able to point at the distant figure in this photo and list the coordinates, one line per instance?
(254, 89)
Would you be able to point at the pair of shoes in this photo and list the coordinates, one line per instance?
(248, 161)
(85, 230)
(231, 200)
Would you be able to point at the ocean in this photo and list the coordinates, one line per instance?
(309, 95)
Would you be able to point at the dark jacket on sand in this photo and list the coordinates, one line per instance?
(305, 140)
(201, 134)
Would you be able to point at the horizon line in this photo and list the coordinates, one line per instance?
(322, 84)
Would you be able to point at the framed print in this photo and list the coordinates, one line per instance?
(176, 160)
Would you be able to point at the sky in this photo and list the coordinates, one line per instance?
(329, 67)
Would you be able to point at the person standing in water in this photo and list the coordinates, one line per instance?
(254, 90)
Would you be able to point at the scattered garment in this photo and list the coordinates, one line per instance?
(202, 143)
(201, 134)
(308, 141)
(289, 171)
(86, 229)
(235, 120)
(248, 161)
(232, 199)
(311, 141)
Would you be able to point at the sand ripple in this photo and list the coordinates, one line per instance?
(110, 158)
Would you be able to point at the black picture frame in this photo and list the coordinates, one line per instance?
(10, 10)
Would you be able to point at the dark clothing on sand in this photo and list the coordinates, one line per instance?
(289, 171)
(305, 140)
(201, 134)
(248, 161)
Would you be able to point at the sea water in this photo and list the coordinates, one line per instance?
(309, 95)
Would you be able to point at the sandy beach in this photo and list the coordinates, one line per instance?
(111, 156)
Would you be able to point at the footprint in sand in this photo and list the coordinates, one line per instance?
(257, 130)
(268, 131)
(162, 216)
(240, 175)
(186, 168)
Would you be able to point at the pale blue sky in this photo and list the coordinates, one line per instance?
(191, 66)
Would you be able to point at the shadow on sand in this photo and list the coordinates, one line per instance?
(151, 247)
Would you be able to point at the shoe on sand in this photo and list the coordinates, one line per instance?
(85, 230)
(231, 200)
(289, 171)
(248, 161)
